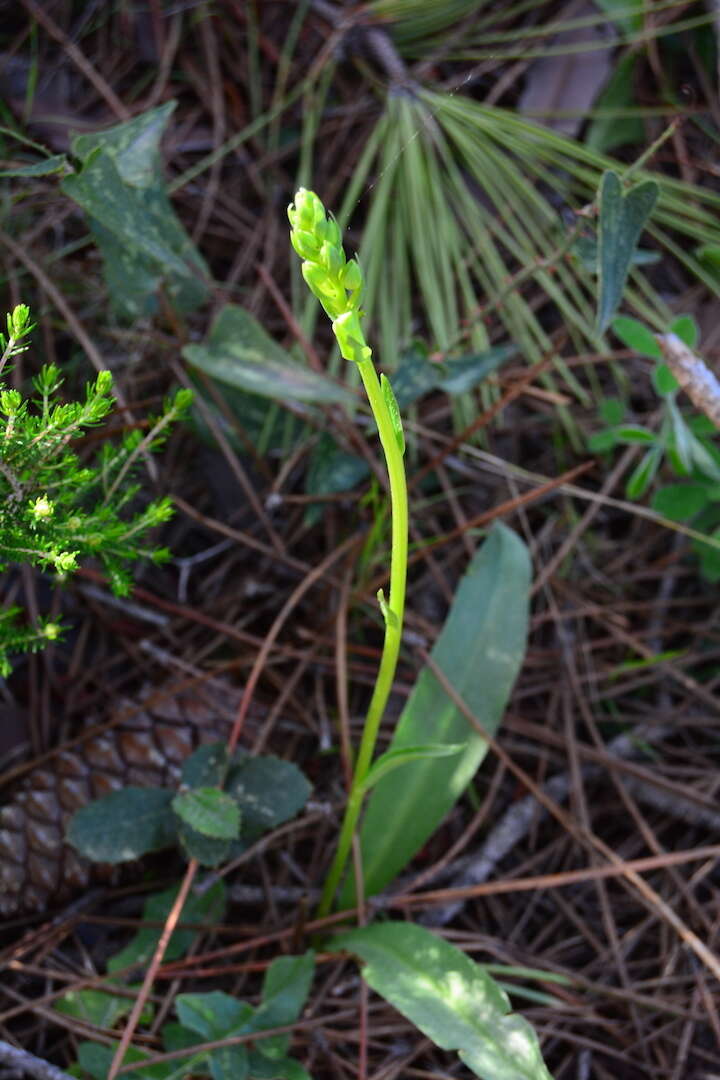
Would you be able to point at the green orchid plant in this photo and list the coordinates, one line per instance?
(338, 283)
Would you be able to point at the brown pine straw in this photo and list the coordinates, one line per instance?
(554, 881)
(648, 895)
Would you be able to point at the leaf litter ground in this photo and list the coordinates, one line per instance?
(613, 716)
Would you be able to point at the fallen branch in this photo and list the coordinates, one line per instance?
(694, 376)
(28, 1063)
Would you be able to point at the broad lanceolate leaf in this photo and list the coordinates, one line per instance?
(268, 791)
(209, 811)
(124, 825)
(622, 219)
(240, 353)
(480, 651)
(449, 997)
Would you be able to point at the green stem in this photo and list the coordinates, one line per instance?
(393, 628)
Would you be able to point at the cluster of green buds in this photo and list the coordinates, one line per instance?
(335, 281)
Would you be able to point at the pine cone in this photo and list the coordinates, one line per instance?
(37, 867)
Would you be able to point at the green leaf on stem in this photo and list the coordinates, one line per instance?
(480, 651)
(393, 759)
(394, 411)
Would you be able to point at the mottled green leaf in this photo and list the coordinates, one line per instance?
(208, 850)
(449, 997)
(206, 766)
(242, 354)
(144, 246)
(268, 791)
(124, 825)
(134, 145)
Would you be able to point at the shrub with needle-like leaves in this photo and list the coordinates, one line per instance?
(56, 510)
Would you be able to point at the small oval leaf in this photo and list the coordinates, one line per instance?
(209, 811)
(124, 825)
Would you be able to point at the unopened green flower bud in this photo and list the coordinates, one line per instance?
(306, 211)
(350, 337)
(352, 276)
(305, 244)
(333, 234)
(332, 258)
(330, 295)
